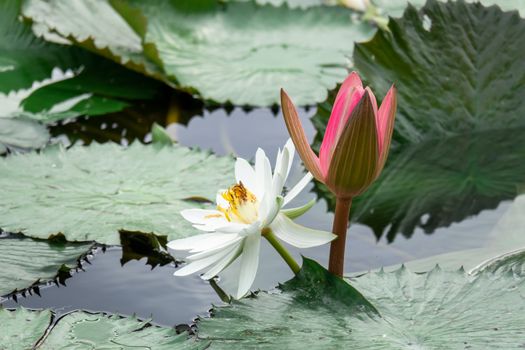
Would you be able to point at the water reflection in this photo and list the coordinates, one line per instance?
(434, 183)
(135, 288)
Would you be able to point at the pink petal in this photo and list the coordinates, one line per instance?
(385, 115)
(296, 131)
(385, 127)
(347, 98)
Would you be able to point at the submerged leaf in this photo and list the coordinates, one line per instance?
(90, 193)
(24, 261)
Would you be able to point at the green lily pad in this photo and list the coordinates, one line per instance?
(449, 80)
(90, 193)
(25, 58)
(78, 329)
(245, 53)
(94, 25)
(23, 329)
(395, 8)
(435, 310)
(24, 261)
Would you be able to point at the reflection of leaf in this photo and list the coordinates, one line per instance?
(24, 261)
(436, 183)
(462, 74)
(23, 329)
(90, 193)
(435, 310)
(138, 245)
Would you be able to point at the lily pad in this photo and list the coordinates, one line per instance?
(23, 329)
(101, 331)
(24, 261)
(395, 8)
(25, 58)
(94, 25)
(455, 65)
(90, 193)
(244, 53)
(435, 310)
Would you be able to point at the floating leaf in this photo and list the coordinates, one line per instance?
(22, 329)
(94, 25)
(434, 310)
(100, 331)
(455, 65)
(395, 8)
(24, 261)
(244, 53)
(90, 193)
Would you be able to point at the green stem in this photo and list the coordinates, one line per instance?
(268, 234)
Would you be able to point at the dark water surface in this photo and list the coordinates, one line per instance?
(136, 288)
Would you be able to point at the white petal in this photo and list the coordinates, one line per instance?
(298, 188)
(297, 235)
(221, 202)
(244, 173)
(195, 242)
(224, 263)
(234, 239)
(201, 216)
(291, 152)
(272, 212)
(249, 264)
(232, 227)
(200, 264)
(263, 171)
(279, 176)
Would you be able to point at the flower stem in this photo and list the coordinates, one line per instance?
(337, 248)
(268, 234)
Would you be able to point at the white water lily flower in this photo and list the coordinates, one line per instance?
(245, 212)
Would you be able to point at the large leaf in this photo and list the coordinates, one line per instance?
(435, 310)
(244, 53)
(24, 261)
(94, 25)
(395, 8)
(459, 72)
(22, 329)
(90, 193)
(24, 58)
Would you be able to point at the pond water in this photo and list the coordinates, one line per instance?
(135, 288)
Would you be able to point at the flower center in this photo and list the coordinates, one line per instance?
(243, 205)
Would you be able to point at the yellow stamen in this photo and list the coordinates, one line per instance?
(243, 205)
